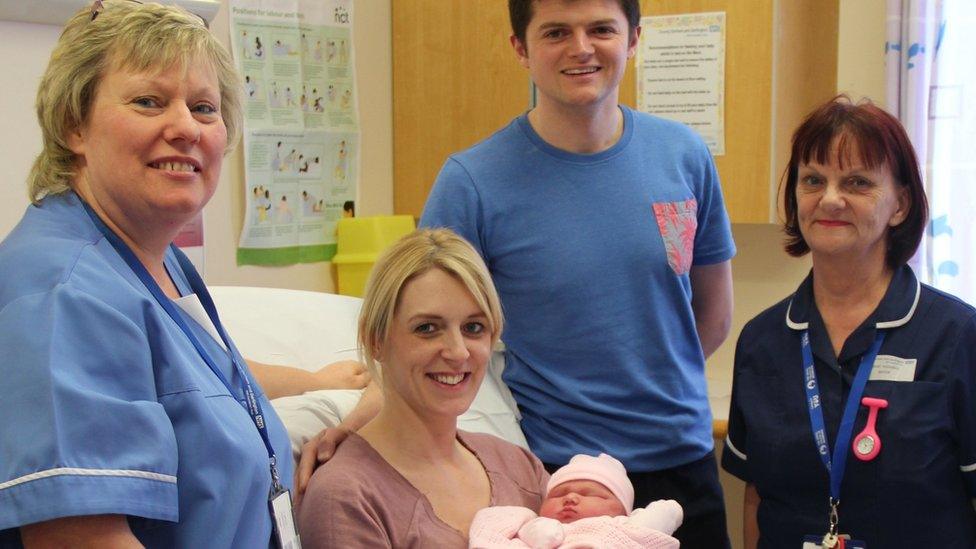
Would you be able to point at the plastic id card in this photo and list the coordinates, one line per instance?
(284, 534)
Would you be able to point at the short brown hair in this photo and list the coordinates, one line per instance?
(880, 140)
(123, 35)
(520, 14)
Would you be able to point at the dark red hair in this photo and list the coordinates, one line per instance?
(880, 141)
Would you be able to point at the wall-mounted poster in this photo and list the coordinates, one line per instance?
(681, 72)
(301, 135)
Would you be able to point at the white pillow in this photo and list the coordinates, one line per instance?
(291, 327)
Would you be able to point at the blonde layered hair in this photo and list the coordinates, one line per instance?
(124, 35)
(410, 257)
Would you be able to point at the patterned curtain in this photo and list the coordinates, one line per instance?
(931, 82)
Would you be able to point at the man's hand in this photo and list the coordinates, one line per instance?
(323, 446)
(316, 451)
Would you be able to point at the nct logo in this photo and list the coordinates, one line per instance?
(341, 15)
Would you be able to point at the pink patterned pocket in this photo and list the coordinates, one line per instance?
(678, 222)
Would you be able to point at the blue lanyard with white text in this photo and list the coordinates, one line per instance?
(835, 467)
(252, 405)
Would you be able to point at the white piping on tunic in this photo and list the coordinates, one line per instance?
(968, 468)
(730, 446)
(880, 325)
(794, 325)
(904, 320)
(74, 471)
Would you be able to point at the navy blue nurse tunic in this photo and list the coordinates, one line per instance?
(918, 492)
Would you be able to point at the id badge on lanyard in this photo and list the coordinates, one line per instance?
(835, 465)
(285, 534)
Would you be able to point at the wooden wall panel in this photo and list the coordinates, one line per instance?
(805, 68)
(455, 81)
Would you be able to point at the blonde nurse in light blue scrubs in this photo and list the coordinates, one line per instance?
(129, 417)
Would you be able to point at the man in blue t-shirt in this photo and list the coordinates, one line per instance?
(609, 243)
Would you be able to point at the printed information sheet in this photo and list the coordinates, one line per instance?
(681, 72)
(301, 126)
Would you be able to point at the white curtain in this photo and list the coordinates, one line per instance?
(930, 60)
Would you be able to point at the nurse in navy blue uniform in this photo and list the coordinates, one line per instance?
(853, 415)
(129, 417)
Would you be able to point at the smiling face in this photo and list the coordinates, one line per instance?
(577, 499)
(150, 154)
(576, 51)
(438, 346)
(845, 209)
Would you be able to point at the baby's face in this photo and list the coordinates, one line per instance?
(576, 499)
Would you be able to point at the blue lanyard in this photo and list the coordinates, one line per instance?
(252, 405)
(835, 467)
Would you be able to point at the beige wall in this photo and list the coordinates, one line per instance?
(860, 65)
(24, 51)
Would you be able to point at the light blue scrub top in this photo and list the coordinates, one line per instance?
(106, 406)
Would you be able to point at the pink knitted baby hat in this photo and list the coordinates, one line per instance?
(603, 469)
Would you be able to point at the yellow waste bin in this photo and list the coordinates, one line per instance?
(360, 240)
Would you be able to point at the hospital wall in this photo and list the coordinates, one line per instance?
(763, 273)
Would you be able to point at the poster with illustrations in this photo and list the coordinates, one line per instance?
(301, 126)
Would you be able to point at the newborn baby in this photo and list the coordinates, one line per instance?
(589, 504)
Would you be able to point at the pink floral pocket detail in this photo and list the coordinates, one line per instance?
(678, 222)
